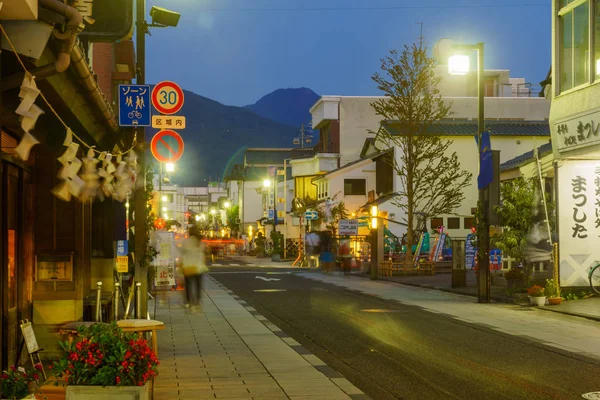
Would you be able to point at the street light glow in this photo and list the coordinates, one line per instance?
(164, 198)
(164, 208)
(458, 64)
(267, 183)
(170, 167)
(213, 211)
(374, 213)
(197, 218)
(227, 204)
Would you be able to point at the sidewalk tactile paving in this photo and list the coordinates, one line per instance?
(230, 351)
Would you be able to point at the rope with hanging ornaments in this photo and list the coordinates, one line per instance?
(29, 75)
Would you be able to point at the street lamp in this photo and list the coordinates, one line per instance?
(267, 184)
(458, 65)
(169, 167)
(227, 204)
(376, 252)
(197, 218)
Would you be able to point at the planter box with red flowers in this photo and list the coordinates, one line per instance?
(105, 363)
(20, 383)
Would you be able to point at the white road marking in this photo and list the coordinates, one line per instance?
(234, 265)
(266, 279)
(217, 265)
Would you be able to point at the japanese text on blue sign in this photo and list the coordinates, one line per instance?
(134, 105)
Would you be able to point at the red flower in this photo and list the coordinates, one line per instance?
(38, 366)
(118, 379)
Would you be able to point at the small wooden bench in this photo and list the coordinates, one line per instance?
(389, 268)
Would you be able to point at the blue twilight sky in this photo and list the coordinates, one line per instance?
(236, 51)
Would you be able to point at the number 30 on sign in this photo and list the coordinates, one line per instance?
(167, 97)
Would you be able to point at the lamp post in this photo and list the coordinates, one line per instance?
(267, 185)
(459, 65)
(376, 243)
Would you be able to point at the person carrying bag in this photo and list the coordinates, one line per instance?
(194, 267)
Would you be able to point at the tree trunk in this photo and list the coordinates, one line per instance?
(409, 200)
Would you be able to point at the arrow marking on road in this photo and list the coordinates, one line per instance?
(266, 279)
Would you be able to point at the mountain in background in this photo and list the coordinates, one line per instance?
(216, 136)
(287, 106)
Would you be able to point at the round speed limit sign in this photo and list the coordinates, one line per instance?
(167, 97)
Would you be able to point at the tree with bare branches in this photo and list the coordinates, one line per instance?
(431, 179)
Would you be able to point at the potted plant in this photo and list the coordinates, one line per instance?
(536, 295)
(552, 292)
(277, 239)
(19, 383)
(106, 362)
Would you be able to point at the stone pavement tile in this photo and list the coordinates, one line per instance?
(196, 394)
(226, 352)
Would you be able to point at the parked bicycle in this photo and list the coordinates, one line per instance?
(594, 278)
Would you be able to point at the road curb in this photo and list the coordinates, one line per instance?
(574, 314)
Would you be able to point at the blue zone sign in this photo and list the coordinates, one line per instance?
(135, 107)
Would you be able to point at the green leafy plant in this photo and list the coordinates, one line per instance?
(514, 273)
(15, 382)
(551, 289)
(516, 216)
(536, 291)
(106, 356)
(277, 239)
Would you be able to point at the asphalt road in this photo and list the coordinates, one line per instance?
(403, 352)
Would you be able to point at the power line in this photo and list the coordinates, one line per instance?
(376, 8)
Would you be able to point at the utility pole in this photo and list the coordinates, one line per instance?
(421, 36)
(141, 270)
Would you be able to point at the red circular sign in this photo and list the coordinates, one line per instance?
(167, 97)
(167, 146)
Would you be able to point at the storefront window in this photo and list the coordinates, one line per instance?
(574, 46)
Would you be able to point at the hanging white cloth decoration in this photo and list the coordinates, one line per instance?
(90, 177)
(69, 155)
(70, 170)
(62, 191)
(76, 185)
(68, 137)
(29, 92)
(28, 120)
(106, 173)
(25, 145)
(123, 181)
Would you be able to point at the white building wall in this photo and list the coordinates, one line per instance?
(466, 149)
(252, 203)
(356, 119)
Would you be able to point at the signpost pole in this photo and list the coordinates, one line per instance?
(141, 270)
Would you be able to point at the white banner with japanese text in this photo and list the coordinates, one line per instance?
(165, 273)
(579, 220)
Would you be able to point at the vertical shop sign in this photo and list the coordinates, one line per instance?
(579, 220)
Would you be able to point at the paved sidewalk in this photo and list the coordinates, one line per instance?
(230, 351)
(574, 335)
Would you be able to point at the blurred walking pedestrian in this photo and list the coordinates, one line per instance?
(193, 260)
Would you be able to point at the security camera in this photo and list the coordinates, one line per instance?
(164, 17)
